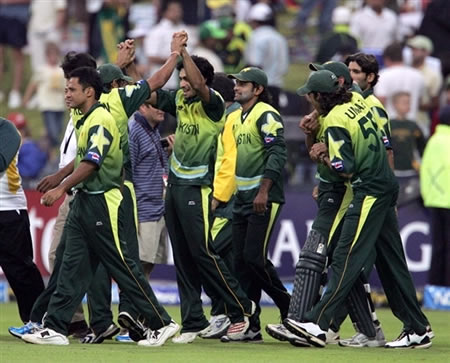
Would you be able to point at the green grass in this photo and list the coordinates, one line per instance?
(15, 350)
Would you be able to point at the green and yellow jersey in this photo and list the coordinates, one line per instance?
(380, 116)
(224, 185)
(121, 103)
(99, 142)
(261, 152)
(355, 147)
(198, 126)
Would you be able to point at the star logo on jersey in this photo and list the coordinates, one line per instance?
(270, 127)
(334, 147)
(99, 140)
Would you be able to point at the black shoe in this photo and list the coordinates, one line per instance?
(135, 328)
(92, 338)
(78, 329)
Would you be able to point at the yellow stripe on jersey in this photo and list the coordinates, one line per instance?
(12, 173)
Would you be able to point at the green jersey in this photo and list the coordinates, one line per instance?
(380, 116)
(198, 126)
(99, 143)
(324, 173)
(261, 152)
(355, 147)
(121, 103)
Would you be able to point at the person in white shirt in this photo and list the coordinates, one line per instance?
(209, 34)
(267, 49)
(421, 47)
(155, 44)
(375, 26)
(398, 77)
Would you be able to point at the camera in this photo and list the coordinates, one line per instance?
(164, 143)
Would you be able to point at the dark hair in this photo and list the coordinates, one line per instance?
(88, 77)
(327, 101)
(368, 64)
(205, 68)
(224, 85)
(444, 115)
(265, 96)
(394, 52)
(74, 60)
(165, 5)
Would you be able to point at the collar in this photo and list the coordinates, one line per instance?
(367, 92)
(143, 121)
(83, 119)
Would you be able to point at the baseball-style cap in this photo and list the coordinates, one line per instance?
(338, 68)
(251, 74)
(322, 81)
(18, 119)
(260, 12)
(210, 29)
(109, 72)
(421, 42)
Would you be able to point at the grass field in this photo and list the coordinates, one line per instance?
(15, 350)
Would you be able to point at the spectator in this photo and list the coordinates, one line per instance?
(267, 49)
(47, 24)
(210, 34)
(397, 77)
(49, 82)
(375, 26)
(32, 154)
(422, 47)
(338, 44)
(434, 183)
(155, 44)
(107, 28)
(435, 25)
(325, 15)
(408, 140)
(233, 46)
(14, 16)
(150, 170)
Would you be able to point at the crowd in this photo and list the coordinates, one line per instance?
(216, 186)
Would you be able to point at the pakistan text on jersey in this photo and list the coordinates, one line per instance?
(244, 139)
(188, 129)
(353, 111)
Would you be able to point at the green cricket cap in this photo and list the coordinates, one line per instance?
(251, 74)
(322, 81)
(110, 72)
(211, 29)
(338, 68)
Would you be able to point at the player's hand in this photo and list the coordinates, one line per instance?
(171, 140)
(318, 152)
(179, 41)
(49, 182)
(126, 53)
(309, 124)
(214, 204)
(52, 196)
(315, 192)
(260, 202)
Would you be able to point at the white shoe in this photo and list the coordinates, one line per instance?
(156, 338)
(14, 99)
(279, 332)
(46, 336)
(360, 340)
(218, 326)
(310, 331)
(189, 337)
(410, 340)
(332, 337)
